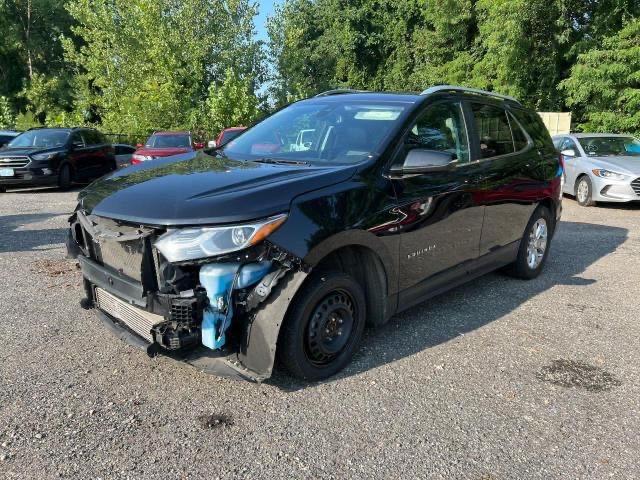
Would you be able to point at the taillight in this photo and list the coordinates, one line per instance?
(561, 159)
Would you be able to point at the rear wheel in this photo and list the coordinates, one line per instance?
(584, 192)
(323, 327)
(534, 246)
(65, 177)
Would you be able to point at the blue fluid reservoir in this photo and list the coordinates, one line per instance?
(218, 280)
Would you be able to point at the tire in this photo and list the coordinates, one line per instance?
(323, 327)
(584, 191)
(526, 266)
(65, 177)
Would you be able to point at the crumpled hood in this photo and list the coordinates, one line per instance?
(202, 189)
(162, 152)
(623, 164)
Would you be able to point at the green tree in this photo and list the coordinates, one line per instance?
(232, 103)
(7, 118)
(148, 64)
(605, 83)
(30, 48)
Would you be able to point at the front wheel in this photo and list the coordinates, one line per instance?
(534, 246)
(584, 192)
(323, 327)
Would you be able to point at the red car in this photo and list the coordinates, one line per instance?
(228, 134)
(164, 144)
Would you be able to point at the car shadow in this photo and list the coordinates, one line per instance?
(14, 237)
(575, 247)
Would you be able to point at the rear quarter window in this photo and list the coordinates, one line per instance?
(534, 126)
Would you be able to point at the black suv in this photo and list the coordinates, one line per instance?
(55, 156)
(268, 248)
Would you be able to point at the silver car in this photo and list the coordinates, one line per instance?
(600, 167)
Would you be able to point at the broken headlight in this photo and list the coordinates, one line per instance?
(195, 243)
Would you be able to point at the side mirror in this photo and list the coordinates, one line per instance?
(568, 153)
(198, 145)
(212, 144)
(420, 161)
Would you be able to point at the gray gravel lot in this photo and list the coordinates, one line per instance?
(494, 380)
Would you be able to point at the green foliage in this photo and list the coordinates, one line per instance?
(230, 104)
(605, 83)
(520, 47)
(7, 119)
(148, 64)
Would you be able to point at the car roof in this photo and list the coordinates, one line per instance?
(233, 129)
(9, 132)
(369, 97)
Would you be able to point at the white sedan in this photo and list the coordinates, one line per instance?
(600, 167)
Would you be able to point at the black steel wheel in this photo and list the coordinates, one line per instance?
(323, 327)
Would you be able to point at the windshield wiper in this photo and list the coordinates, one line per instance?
(276, 161)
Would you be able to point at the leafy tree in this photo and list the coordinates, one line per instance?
(30, 45)
(605, 83)
(7, 119)
(148, 64)
(232, 103)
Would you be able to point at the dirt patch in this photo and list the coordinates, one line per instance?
(571, 373)
(211, 422)
(54, 268)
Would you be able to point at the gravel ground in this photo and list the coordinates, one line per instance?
(494, 380)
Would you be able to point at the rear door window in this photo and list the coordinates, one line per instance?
(492, 130)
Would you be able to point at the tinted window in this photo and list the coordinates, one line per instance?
(43, 138)
(77, 139)
(534, 126)
(492, 128)
(91, 137)
(441, 127)
(520, 140)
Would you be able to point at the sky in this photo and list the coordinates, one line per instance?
(266, 9)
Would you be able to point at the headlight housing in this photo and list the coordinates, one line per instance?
(195, 243)
(43, 157)
(603, 173)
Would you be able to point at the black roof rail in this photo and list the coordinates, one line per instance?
(475, 91)
(339, 91)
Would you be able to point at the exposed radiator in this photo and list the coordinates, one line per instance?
(138, 320)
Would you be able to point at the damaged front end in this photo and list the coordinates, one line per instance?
(213, 297)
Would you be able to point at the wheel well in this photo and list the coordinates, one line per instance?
(366, 267)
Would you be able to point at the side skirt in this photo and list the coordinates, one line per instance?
(456, 276)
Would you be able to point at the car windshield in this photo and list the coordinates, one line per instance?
(611, 146)
(40, 139)
(330, 131)
(168, 141)
(230, 135)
